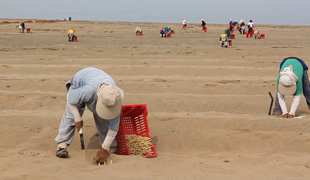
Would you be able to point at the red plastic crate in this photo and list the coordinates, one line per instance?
(133, 121)
(205, 29)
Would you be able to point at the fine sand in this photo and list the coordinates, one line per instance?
(208, 106)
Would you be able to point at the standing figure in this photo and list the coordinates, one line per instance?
(184, 25)
(250, 26)
(203, 24)
(22, 27)
(231, 25)
(97, 90)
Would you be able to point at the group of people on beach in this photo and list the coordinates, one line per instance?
(241, 27)
(292, 78)
(98, 91)
(167, 30)
(184, 24)
(251, 29)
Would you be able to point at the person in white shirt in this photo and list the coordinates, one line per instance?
(22, 27)
(138, 31)
(250, 26)
(184, 25)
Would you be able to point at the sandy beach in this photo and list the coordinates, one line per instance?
(207, 106)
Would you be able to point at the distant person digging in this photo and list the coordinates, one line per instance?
(228, 32)
(138, 32)
(168, 29)
(71, 35)
(256, 34)
(163, 32)
(224, 40)
(97, 90)
(184, 25)
(22, 27)
(242, 29)
(231, 25)
(203, 24)
(235, 23)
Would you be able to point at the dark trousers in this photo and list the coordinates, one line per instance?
(71, 38)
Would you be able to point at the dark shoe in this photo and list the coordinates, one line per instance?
(285, 115)
(290, 116)
(62, 153)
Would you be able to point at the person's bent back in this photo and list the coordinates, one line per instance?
(71, 34)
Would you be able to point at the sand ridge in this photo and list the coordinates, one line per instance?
(208, 106)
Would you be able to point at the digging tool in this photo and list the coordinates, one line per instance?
(82, 139)
(270, 103)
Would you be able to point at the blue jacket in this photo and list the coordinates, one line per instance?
(85, 84)
(301, 61)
